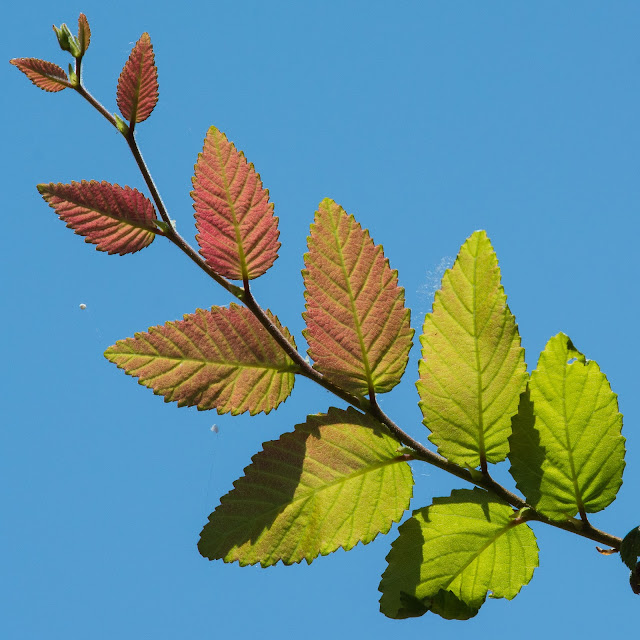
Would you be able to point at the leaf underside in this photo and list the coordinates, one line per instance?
(137, 92)
(358, 328)
(472, 370)
(567, 450)
(237, 231)
(115, 219)
(448, 556)
(84, 33)
(337, 480)
(222, 358)
(43, 74)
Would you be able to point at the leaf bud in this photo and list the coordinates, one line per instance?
(67, 41)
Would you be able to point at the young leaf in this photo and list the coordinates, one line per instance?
(43, 74)
(337, 480)
(357, 325)
(222, 359)
(115, 219)
(448, 556)
(238, 233)
(84, 33)
(137, 93)
(472, 369)
(567, 451)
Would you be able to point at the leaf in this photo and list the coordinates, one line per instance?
(115, 219)
(238, 233)
(84, 33)
(450, 555)
(357, 326)
(567, 449)
(472, 369)
(222, 359)
(630, 548)
(43, 74)
(337, 480)
(137, 93)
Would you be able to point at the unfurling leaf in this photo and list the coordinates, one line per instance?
(137, 93)
(448, 556)
(472, 370)
(115, 219)
(222, 359)
(567, 451)
(84, 33)
(238, 233)
(335, 481)
(67, 41)
(43, 74)
(358, 328)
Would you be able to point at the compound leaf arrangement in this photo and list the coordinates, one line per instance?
(345, 476)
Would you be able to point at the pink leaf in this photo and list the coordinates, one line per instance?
(117, 220)
(222, 359)
(138, 83)
(238, 233)
(84, 33)
(43, 74)
(358, 329)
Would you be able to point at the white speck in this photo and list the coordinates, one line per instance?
(83, 306)
(215, 428)
(307, 360)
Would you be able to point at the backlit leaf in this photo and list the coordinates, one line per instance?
(137, 93)
(449, 556)
(84, 32)
(472, 369)
(357, 325)
(222, 359)
(337, 480)
(43, 74)
(238, 233)
(567, 451)
(115, 219)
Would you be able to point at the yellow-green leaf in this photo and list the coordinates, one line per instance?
(567, 450)
(337, 480)
(448, 556)
(472, 369)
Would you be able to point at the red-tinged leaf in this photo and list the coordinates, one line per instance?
(222, 359)
(84, 32)
(357, 326)
(43, 74)
(138, 83)
(238, 233)
(115, 219)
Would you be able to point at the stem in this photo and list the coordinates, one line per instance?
(368, 406)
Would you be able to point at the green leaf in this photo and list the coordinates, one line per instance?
(450, 555)
(337, 480)
(472, 370)
(222, 359)
(630, 548)
(567, 452)
(358, 329)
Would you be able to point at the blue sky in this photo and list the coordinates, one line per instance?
(427, 120)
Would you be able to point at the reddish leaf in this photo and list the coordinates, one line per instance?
(222, 359)
(117, 220)
(238, 231)
(138, 83)
(357, 326)
(84, 33)
(43, 74)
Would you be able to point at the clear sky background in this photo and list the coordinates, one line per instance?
(427, 120)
